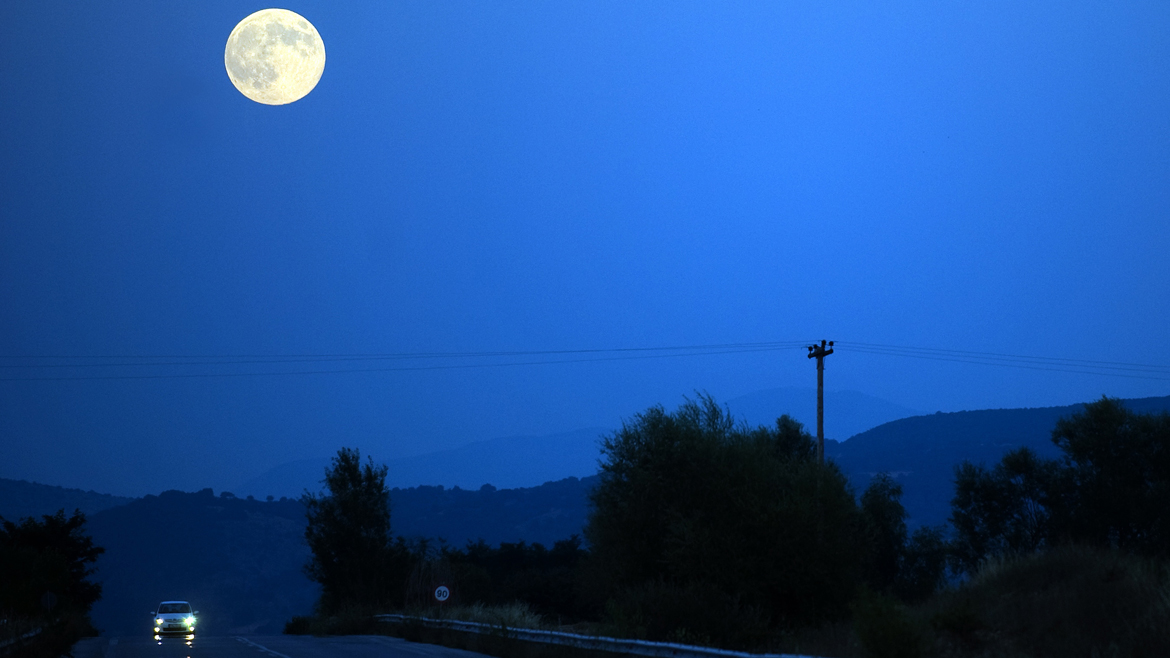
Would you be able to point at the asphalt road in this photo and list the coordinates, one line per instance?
(264, 646)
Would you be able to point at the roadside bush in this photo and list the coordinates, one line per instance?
(1070, 601)
(884, 627)
(512, 615)
(57, 638)
(690, 614)
(347, 621)
(299, 625)
(548, 580)
(961, 623)
(923, 567)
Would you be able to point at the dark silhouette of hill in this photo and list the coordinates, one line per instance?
(544, 514)
(506, 462)
(921, 452)
(240, 561)
(20, 499)
(237, 561)
(847, 413)
(524, 461)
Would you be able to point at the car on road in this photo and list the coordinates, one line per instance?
(174, 618)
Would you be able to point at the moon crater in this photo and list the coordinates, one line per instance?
(274, 56)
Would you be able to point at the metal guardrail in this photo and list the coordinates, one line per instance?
(594, 642)
(7, 644)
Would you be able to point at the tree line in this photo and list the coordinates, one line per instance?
(1110, 488)
(709, 531)
(45, 591)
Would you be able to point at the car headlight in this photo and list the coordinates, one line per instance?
(158, 621)
(190, 621)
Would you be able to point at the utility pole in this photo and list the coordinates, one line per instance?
(819, 352)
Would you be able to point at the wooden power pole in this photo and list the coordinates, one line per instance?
(819, 352)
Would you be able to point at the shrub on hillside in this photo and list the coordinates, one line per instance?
(689, 614)
(884, 627)
(548, 580)
(346, 621)
(1111, 488)
(299, 625)
(922, 568)
(1071, 601)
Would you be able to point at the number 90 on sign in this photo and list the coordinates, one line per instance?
(442, 593)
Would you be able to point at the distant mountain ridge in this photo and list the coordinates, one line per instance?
(544, 514)
(847, 413)
(921, 453)
(505, 463)
(527, 461)
(20, 499)
(243, 557)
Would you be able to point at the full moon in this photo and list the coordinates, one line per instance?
(274, 56)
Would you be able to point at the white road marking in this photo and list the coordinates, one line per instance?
(261, 647)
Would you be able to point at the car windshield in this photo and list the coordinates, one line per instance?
(173, 608)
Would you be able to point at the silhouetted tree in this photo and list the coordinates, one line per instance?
(911, 568)
(1115, 484)
(884, 524)
(355, 558)
(45, 567)
(691, 504)
(922, 569)
(1110, 488)
(51, 555)
(1002, 510)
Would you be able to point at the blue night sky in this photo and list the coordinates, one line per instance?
(542, 176)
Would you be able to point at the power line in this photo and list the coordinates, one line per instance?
(1048, 364)
(999, 355)
(691, 351)
(278, 358)
(488, 359)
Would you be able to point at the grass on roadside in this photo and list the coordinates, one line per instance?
(511, 615)
(1069, 602)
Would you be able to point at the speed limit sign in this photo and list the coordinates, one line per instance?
(442, 593)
